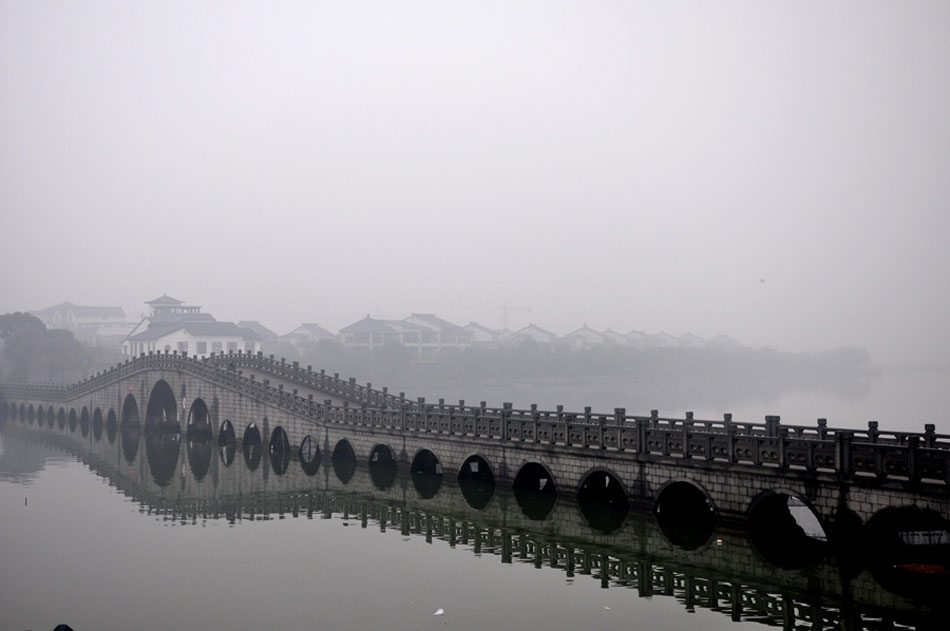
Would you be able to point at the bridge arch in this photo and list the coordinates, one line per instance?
(130, 411)
(535, 490)
(251, 446)
(199, 419)
(40, 415)
(111, 426)
(603, 499)
(685, 513)
(31, 414)
(786, 530)
(50, 417)
(97, 424)
(84, 421)
(73, 421)
(382, 466)
(279, 448)
(162, 409)
(23, 413)
(426, 473)
(343, 460)
(61, 418)
(476, 481)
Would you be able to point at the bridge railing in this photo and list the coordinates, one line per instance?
(849, 453)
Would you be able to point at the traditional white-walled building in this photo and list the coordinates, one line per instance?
(198, 339)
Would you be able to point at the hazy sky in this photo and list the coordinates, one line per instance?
(631, 165)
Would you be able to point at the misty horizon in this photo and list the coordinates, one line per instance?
(774, 173)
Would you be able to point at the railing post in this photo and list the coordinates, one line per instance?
(913, 443)
(843, 453)
(822, 428)
(930, 437)
(642, 425)
(873, 431)
(771, 426)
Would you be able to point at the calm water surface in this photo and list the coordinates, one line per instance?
(165, 534)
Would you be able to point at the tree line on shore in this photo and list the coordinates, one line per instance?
(34, 353)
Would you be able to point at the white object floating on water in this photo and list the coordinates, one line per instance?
(606, 607)
(439, 612)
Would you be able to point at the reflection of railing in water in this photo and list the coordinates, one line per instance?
(628, 562)
(858, 456)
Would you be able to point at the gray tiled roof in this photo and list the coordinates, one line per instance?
(198, 329)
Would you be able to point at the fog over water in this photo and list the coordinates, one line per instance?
(776, 172)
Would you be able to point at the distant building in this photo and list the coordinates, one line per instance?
(482, 335)
(424, 333)
(442, 333)
(612, 337)
(584, 338)
(691, 341)
(93, 325)
(724, 341)
(536, 333)
(265, 334)
(307, 334)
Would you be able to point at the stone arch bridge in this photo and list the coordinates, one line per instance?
(726, 467)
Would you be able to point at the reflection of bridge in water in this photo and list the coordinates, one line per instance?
(721, 568)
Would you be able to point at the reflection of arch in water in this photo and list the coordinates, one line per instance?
(130, 411)
(535, 490)
(61, 418)
(198, 448)
(111, 426)
(161, 450)
(602, 500)
(31, 414)
(23, 413)
(72, 420)
(426, 473)
(251, 446)
(199, 420)
(344, 461)
(685, 514)
(309, 455)
(84, 422)
(227, 443)
(786, 530)
(279, 448)
(130, 433)
(382, 467)
(40, 415)
(50, 417)
(97, 424)
(909, 552)
(476, 481)
(162, 410)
